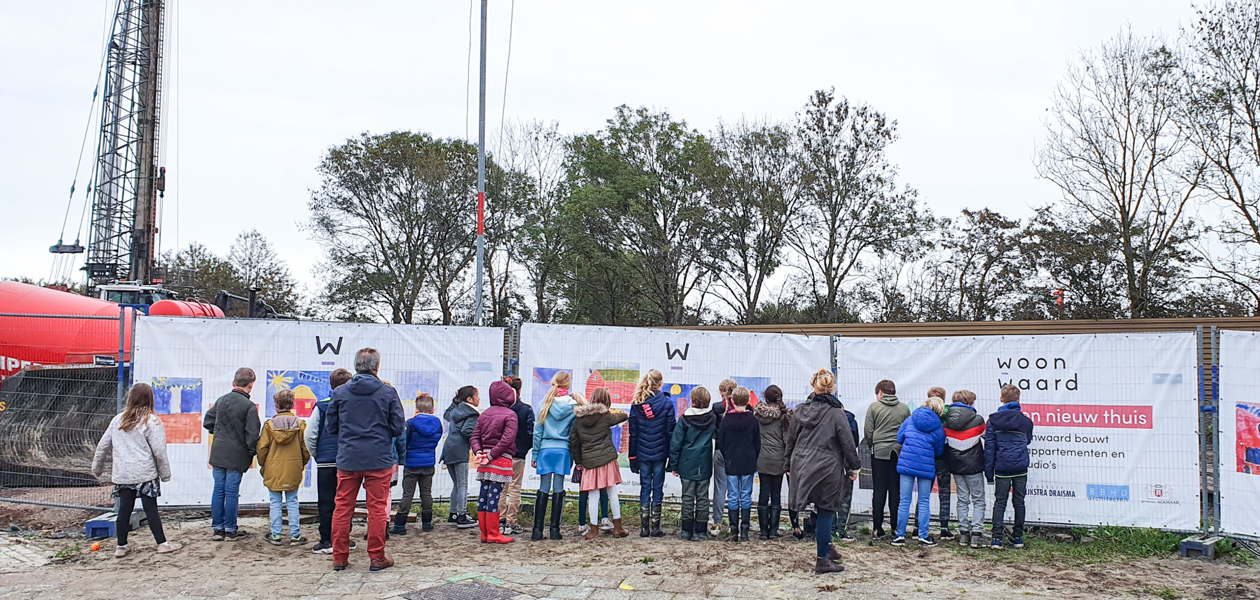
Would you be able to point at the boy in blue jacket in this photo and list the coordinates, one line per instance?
(1006, 440)
(423, 433)
(652, 419)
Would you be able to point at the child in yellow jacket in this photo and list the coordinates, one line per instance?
(282, 458)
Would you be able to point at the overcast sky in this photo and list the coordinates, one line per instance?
(258, 91)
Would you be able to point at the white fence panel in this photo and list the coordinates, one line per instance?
(1239, 376)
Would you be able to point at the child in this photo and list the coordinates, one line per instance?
(461, 419)
(943, 483)
(322, 446)
(135, 442)
(423, 433)
(282, 458)
(773, 417)
(922, 439)
(605, 524)
(883, 420)
(725, 387)
(510, 503)
(739, 437)
(652, 418)
(1006, 458)
(494, 442)
(590, 443)
(691, 460)
(964, 451)
(551, 458)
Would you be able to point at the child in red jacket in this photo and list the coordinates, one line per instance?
(494, 443)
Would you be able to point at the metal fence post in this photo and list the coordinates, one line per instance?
(835, 339)
(1215, 440)
(122, 348)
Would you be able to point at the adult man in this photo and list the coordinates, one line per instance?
(510, 503)
(883, 419)
(365, 415)
(234, 426)
(323, 447)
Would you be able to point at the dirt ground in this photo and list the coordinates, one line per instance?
(572, 568)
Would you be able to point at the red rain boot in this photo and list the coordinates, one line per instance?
(493, 535)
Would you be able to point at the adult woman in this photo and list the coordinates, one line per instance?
(823, 460)
(135, 443)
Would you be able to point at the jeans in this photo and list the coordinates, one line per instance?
(459, 491)
(695, 501)
(423, 477)
(651, 481)
(126, 504)
(887, 484)
(719, 485)
(739, 491)
(510, 503)
(280, 501)
(376, 484)
(224, 500)
(942, 493)
(1005, 486)
(909, 484)
(551, 483)
(603, 507)
(970, 503)
(822, 531)
(326, 485)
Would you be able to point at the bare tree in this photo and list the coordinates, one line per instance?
(1115, 150)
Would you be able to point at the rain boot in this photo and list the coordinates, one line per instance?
(686, 533)
(493, 535)
(773, 526)
(656, 521)
(400, 524)
(426, 521)
(763, 523)
(645, 520)
(540, 514)
(732, 518)
(557, 513)
(481, 524)
(745, 523)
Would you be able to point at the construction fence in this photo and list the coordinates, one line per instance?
(1128, 431)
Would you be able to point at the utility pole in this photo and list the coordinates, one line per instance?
(481, 170)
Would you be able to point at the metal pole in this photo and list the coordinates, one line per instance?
(1203, 432)
(1215, 440)
(481, 168)
(122, 347)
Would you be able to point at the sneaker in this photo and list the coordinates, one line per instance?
(977, 540)
(927, 542)
(168, 547)
(275, 539)
(878, 534)
(218, 535)
(846, 538)
(322, 548)
(715, 529)
(516, 529)
(120, 552)
(946, 535)
(964, 539)
(353, 545)
(463, 522)
(297, 540)
(450, 518)
(996, 545)
(899, 540)
(1018, 543)
(606, 524)
(583, 529)
(232, 536)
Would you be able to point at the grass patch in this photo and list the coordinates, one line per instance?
(1084, 546)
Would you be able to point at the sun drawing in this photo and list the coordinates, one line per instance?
(280, 381)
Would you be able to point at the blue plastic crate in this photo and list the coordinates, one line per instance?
(105, 526)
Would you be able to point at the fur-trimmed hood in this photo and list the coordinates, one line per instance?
(593, 408)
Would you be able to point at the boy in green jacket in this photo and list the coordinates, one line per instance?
(883, 419)
(691, 460)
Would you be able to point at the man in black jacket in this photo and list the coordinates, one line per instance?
(234, 426)
(510, 503)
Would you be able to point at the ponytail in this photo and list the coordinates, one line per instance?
(562, 380)
(464, 394)
(648, 383)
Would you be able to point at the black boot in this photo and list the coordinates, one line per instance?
(745, 523)
(795, 518)
(656, 521)
(687, 527)
(824, 565)
(773, 525)
(732, 517)
(645, 520)
(400, 524)
(426, 521)
(557, 511)
(540, 514)
(763, 523)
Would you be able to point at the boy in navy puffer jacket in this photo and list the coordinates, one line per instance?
(1006, 440)
(922, 439)
(424, 431)
(652, 419)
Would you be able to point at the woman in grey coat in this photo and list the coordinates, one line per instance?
(823, 460)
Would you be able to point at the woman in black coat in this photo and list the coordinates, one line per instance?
(823, 460)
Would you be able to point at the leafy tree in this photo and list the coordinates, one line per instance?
(254, 264)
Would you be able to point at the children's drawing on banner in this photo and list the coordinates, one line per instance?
(1248, 427)
(619, 379)
(542, 384)
(308, 388)
(177, 401)
(411, 383)
(680, 393)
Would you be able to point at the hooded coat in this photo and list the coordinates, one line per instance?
(922, 439)
(964, 435)
(651, 425)
(820, 454)
(883, 419)
(739, 437)
(1006, 440)
(367, 417)
(553, 432)
(496, 428)
(461, 420)
(773, 449)
(590, 440)
(524, 428)
(424, 431)
(282, 455)
(691, 446)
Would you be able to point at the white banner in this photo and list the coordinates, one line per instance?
(614, 357)
(1115, 438)
(190, 363)
(1239, 405)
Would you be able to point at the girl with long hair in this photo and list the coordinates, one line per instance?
(552, 458)
(461, 420)
(773, 416)
(653, 415)
(590, 443)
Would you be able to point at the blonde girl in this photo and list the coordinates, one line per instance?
(551, 456)
(653, 415)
